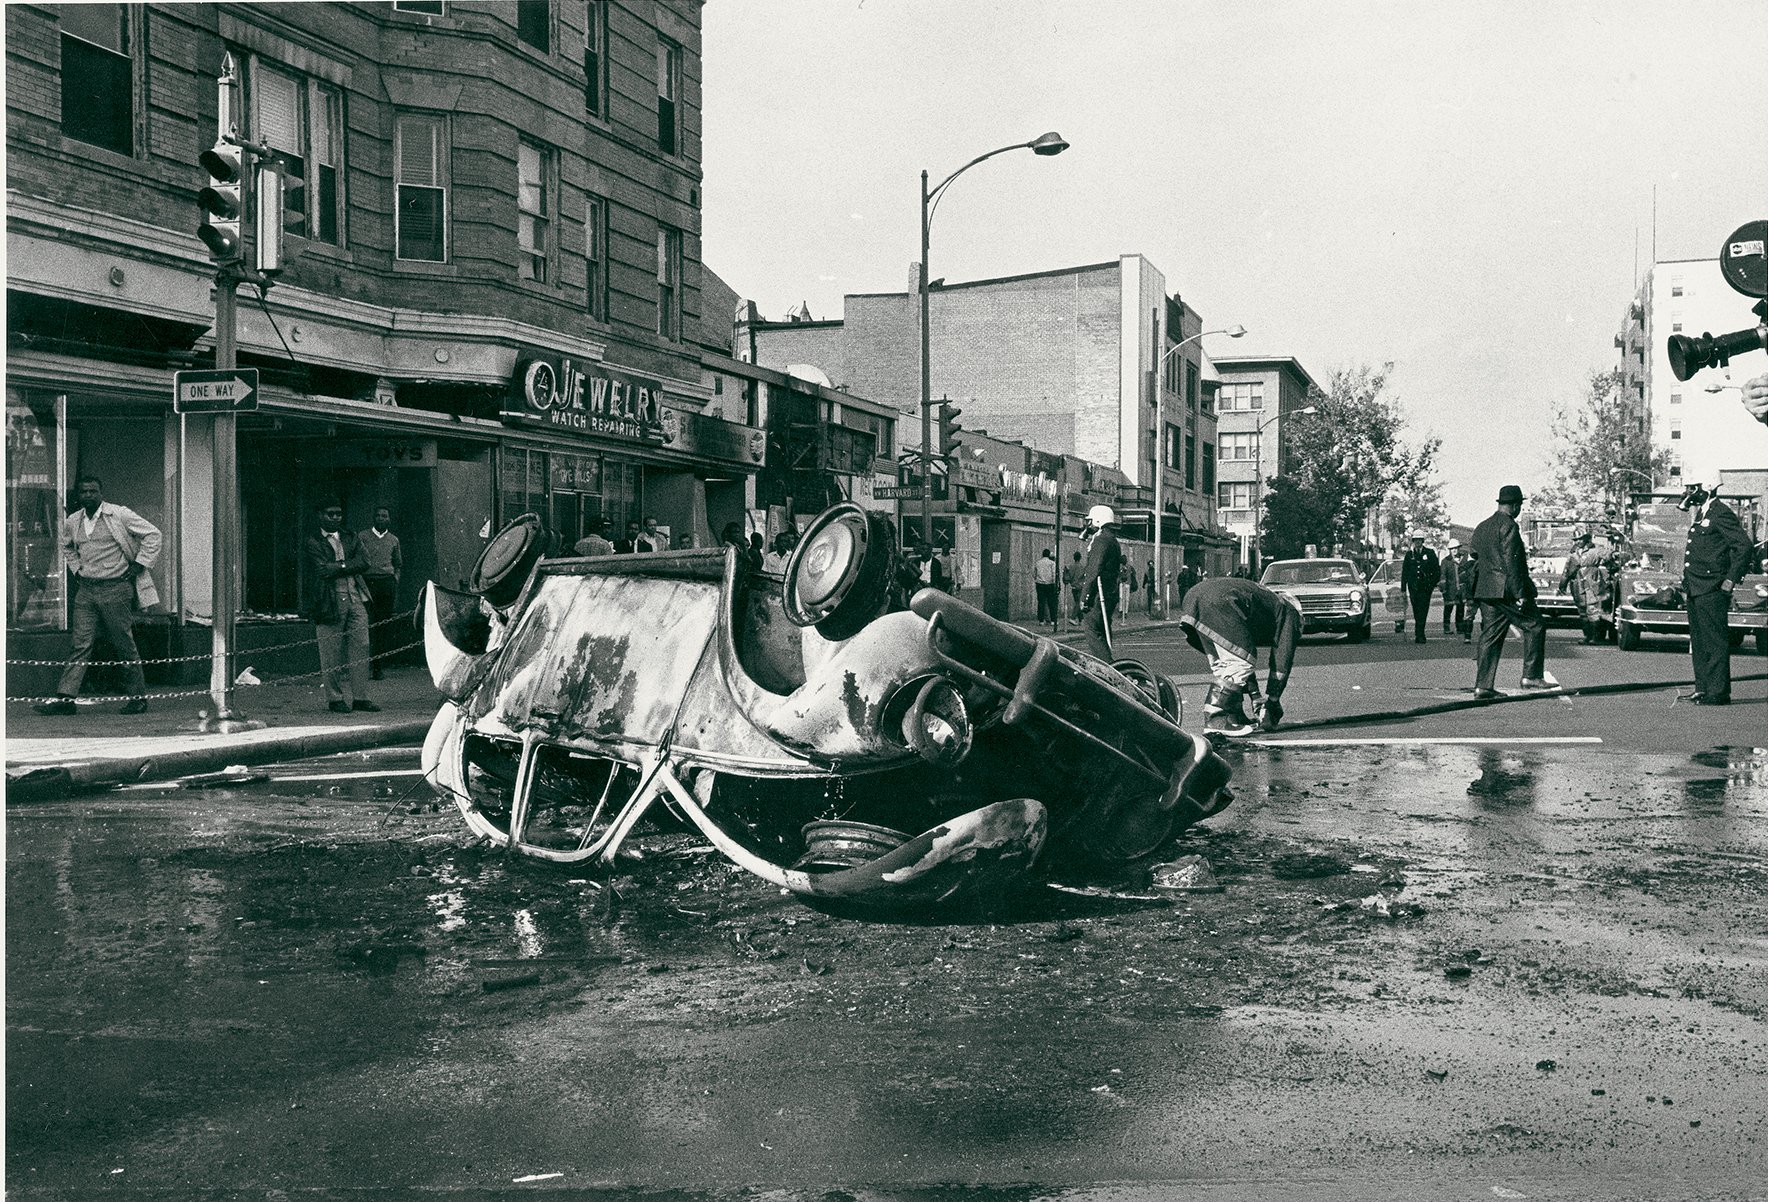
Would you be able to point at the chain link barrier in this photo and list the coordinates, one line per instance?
(279, 683)
(191, 659)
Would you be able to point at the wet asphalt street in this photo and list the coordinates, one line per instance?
(1436, 970)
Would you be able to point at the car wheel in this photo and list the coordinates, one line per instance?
(1399, 628)
(1762, 642)
(1737, 637)
(509, 557)
(1627, 635)
(1357, 634)
(839, 576)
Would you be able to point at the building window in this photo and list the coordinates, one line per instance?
(1675, 285)
(1190, 463)
(36, 483)
(1209, 479)
(595, 256)
(1675, 430)
(534, 23)
(1675, 327)
(1239, 446)
(1169, 454)
(304, 119)
(1191, 387)
(1236, 495)
(668, 94)
(668, 282)
(97, 76)
(533, 216)
(1234, 398)
(421, 209)
(595, 57)
(424, 8)
(1675, 398)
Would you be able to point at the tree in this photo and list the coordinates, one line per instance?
(1590, 440)
(1342, 461)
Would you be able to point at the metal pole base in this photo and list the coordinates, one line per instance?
(228, 723)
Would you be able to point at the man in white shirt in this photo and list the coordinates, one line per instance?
(1044, 577)
(109, 549)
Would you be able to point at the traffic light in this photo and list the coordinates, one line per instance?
(949, 431)
(280, 207)
(221, 202)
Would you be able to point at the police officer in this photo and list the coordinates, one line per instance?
(1098, 579)
(1718, 556)
(1419, 573)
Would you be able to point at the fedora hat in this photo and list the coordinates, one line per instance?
(1510, 494)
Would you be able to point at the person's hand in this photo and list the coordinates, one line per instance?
(1755, 397)
(1727, 585)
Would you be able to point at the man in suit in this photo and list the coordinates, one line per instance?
(109, 549)
(1506, 597)
(1718, 556)
(337, 604)
(1098, 579)
(1457, 587)
(1419, 573)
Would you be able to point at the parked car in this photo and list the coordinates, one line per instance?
(1386, 595)
(1331, 593)
(807, 724)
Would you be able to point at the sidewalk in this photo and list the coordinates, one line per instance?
(52, 756)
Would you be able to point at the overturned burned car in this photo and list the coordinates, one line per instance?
(807, 724)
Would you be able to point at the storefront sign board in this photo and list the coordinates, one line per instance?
(713, 437)
(585, 398)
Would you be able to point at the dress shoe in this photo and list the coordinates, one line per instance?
(365, 707)
(1537, 682)
(339, 707)
(61, 705)
(1714, 699)
(135, 705)
(1417, 638)
(1486, 694)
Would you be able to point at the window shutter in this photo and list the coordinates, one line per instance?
(417, 152)
(279, 112)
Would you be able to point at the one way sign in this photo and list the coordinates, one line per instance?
(234, 391)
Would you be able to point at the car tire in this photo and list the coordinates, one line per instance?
(1762, 642)
(838, 578)
(1627, 635)
(1357, 634)
(508, 559)
(1737, 637)
(1399, 628)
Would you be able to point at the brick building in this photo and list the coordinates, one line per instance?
(1254, 398)
(1062, 361)
(495, 308)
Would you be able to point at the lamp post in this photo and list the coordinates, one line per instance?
(1234, 331)
(1044, 144)
(1258, 480)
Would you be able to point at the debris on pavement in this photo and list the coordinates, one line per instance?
(1546, 1066)
(1187, 874)
(1307, 866)
(1456, 972)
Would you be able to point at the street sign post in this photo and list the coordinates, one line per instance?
(226, 390)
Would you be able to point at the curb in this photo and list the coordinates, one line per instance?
(55, 782)
(1448, 707)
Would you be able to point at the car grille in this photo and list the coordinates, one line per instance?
(1326, 605)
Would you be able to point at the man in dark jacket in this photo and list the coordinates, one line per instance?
(1419, 573)
(1718, 556)
(1229, 619)
(1506, 597)
(337, 602)
(1098, 579)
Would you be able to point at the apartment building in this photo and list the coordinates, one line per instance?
(495, 307)
(1254, 398)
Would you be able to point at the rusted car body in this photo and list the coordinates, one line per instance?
(609, 686)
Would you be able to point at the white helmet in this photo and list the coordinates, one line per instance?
(1102, 516)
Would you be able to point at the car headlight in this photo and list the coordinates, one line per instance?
(1355, 596)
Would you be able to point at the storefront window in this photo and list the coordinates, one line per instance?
(34, 490)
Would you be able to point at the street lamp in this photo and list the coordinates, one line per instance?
(1234, 331)
(1258, 479)
(1044, 144)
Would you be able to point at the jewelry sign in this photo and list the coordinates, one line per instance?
(589, 399)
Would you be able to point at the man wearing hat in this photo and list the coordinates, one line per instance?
(1457, 587)
(1098, 579)
(1506, 597)
(1717, 557)
(1419, 573)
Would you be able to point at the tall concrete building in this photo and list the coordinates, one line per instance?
(1698, 421)
(1063, 361)
(1254, 401)
(495, 308)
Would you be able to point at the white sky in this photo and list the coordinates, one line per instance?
(1456, 186)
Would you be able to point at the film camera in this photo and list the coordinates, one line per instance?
(1743, 260)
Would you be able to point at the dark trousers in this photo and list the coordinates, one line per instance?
(107, 605)
(1495, 620)
(1421, 609)
(1459, 610)
(1709, 642)
(1046, 602)
(383, 595)
(1097, 628)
